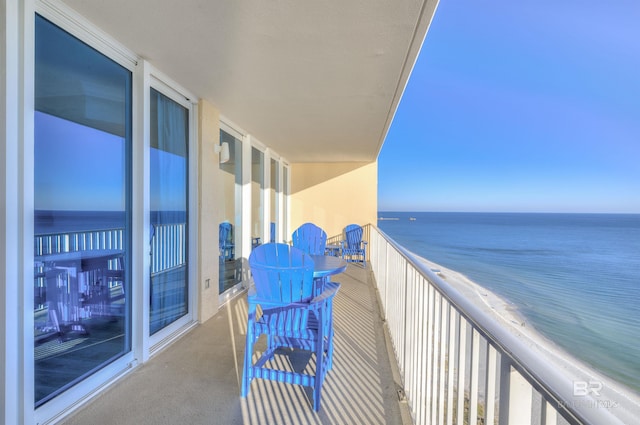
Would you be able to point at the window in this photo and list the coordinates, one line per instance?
(169, 165)
(231, 225)
(82, 198)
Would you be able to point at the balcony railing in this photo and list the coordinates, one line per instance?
(168, 244)
(457, 364)
(168, 247)
(59, 243)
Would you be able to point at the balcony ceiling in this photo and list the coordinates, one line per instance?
(316, 81)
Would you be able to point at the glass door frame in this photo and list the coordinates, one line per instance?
(238, 228)
(85, 32)
(163, 85)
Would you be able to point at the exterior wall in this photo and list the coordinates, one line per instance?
(333, 195)
(210, 212)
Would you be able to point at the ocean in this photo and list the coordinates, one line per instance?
(574, 277)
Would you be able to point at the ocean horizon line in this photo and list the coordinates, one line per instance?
(506, 212)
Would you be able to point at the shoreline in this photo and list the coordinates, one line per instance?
(624, 401)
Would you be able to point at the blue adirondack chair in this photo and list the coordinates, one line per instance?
(354, 249)
(291, 317)
(225, 241)
(310, 239)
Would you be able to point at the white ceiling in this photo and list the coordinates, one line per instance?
(317, 81)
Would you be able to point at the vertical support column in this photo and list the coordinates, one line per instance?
(246, 197)
(209, 214)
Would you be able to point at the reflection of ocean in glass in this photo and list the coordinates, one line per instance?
(82, 148)
(573, 276)
(48, 222)
(169, 137)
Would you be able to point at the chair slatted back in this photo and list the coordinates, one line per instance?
(282, 273)
(353, 234)
(310, 239)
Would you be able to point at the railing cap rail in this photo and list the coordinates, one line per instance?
(546, 378)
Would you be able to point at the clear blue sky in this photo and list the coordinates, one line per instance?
(520, 106)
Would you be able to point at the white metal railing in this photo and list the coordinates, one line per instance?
(168, 247)
(168, 244)
(58, 243)
(457, 364)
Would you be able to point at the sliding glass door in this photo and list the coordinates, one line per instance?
(169, 165)
(82, 217)
(230, 228)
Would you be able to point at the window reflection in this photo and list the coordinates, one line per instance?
(230, 229)
(81, 218)
(169, 188)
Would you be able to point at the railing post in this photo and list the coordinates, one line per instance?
(490, 390)
(475, 375)
(462, 362)
(519, 396)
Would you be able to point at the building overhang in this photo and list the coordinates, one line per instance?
(314, 81)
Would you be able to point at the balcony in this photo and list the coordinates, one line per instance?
(409, 349)
(197, 379)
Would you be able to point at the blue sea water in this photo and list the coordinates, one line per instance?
(56, 221)
(574, 277)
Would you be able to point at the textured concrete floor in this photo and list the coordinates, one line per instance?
(197, 379)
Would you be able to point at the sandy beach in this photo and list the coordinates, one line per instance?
(623, 403)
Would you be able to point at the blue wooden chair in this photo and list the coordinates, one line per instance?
(354, 249)
(292, 318)
(310, 239)
(225, 241)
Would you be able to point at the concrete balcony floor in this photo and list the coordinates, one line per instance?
(197, 379)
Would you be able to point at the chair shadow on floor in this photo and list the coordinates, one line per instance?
(359, 389)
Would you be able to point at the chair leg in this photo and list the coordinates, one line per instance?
(330, 334)
(247, 369)
(321, 365)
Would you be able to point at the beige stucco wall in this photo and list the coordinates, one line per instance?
(210, 212)
(333, 195)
